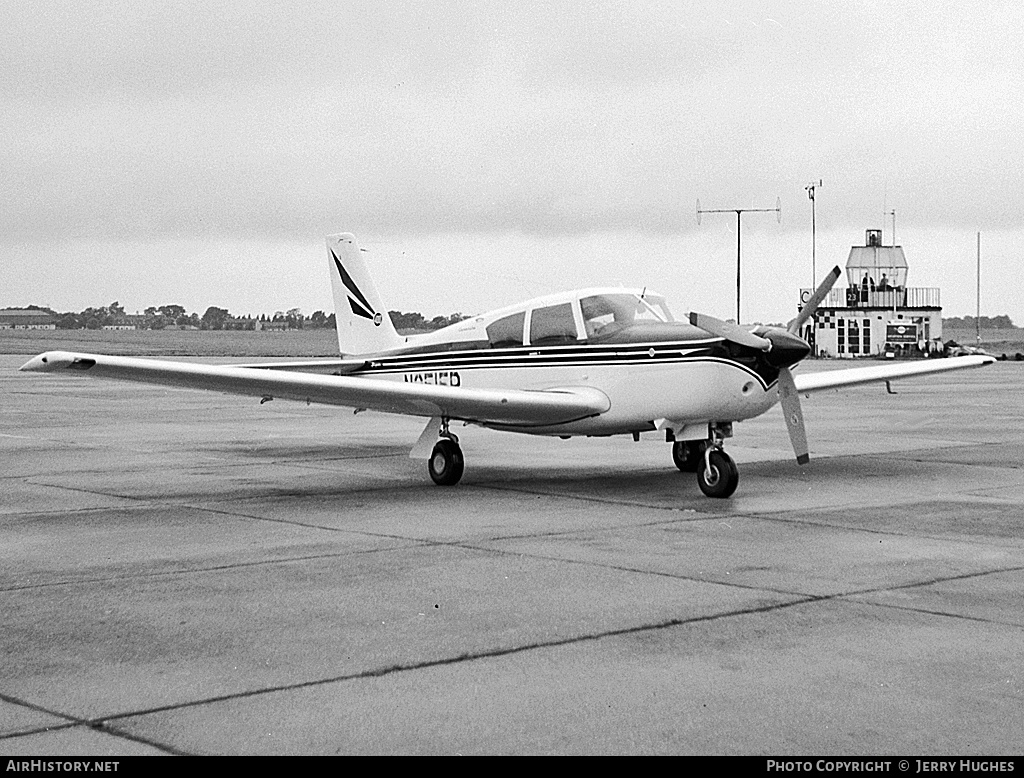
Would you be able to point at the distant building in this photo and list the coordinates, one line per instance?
(19, 319)
(119, 327)
(273, 326)
(877, 314)
(239, 323)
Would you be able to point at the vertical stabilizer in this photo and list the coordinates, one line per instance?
(364, 326)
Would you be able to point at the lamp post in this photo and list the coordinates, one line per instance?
(739, 212)
(811, 189)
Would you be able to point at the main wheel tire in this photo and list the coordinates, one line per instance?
(446, 463)
(723, 478)
(689, 454)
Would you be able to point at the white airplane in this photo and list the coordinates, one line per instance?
(592, 362)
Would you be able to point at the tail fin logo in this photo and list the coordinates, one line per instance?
(356, 299)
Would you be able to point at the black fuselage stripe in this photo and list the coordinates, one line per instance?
(446, 351)
(552, 361)
(485, 354)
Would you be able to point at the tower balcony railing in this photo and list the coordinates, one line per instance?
(861, 297)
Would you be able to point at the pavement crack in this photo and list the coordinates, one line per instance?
(945, 614)
(203, 569)
(469, 656)
(73, 722)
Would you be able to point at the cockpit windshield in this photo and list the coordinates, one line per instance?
(605, 313)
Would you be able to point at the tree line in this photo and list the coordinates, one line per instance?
(986, 322)
(158, 317)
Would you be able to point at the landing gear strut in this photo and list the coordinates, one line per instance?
(717, 474)
(446, 463)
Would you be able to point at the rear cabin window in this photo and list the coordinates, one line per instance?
(507, 332)
(552, 325)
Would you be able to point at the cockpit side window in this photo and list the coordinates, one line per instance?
(601, 312)
(606, 313)
(507, 332)
(553, 325)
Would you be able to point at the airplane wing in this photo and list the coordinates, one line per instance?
(835, 379)
(322, 366)
(498, 406)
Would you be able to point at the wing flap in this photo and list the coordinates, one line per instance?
(498, 406)
(835, 379)
(321, 366)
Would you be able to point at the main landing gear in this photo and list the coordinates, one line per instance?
(717, 474)
(446, 463)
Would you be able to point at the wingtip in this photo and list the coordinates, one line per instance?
(37, 364)
(48, 362)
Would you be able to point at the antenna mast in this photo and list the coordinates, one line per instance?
(977, 313)
(739, 212)
(811, 189)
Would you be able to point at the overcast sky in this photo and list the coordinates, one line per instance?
(198, 153)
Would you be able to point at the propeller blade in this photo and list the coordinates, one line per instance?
(815, 300)
(731, 332)
(794, 415)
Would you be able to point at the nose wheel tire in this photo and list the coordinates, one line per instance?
(446, 463)
(719, 476)
(688, 455)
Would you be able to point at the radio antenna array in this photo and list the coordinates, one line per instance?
(739, 213)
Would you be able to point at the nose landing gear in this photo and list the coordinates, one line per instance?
(717, 474)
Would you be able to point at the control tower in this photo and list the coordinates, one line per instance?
(877, 314)
(876, 267)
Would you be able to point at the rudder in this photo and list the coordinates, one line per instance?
(363, 323)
